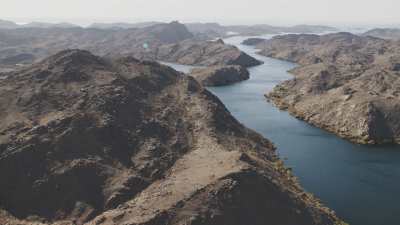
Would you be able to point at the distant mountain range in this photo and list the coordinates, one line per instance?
(384, 33)
(123, 25)
(4, 24)
(170, 42)
(208, 29)
(215, 29)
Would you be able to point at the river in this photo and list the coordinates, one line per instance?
(360, 183)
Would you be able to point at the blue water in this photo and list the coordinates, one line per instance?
(360, 183)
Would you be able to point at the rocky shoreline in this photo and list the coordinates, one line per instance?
(346, 84)
(220, 75)
(278, 100)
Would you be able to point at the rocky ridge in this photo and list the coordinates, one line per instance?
(85, 140)
(205, 53)
(384, 33)
(220, 75)
(345, 83)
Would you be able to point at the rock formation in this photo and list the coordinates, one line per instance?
(345, 83)
(220, 75)
(85, 140)
(253, 41)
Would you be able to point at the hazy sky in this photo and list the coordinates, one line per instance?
(223, 11)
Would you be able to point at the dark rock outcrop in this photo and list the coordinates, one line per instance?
(171, 33)
(253, 41)
(220, 75)
(84, 140)
(346, 84)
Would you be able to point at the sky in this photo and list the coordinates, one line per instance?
(275, 12)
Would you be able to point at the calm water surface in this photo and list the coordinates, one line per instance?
(360, 183)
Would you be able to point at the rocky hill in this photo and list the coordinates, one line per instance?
(220, 75)
(253, 41)
(205, 53)
(85, 140)
(345, 83)
(385, 33)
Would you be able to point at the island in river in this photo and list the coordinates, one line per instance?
(220, 75)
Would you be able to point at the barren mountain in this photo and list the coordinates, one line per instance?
(48, 25)
(4, 24)
(385, 33)
(41, 42)
(167, 42)
(215, 30)
(123, 25)
(345, 83)
(84, 140)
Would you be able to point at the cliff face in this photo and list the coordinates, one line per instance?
(346, 84)
(86, 140)
(220, 75)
